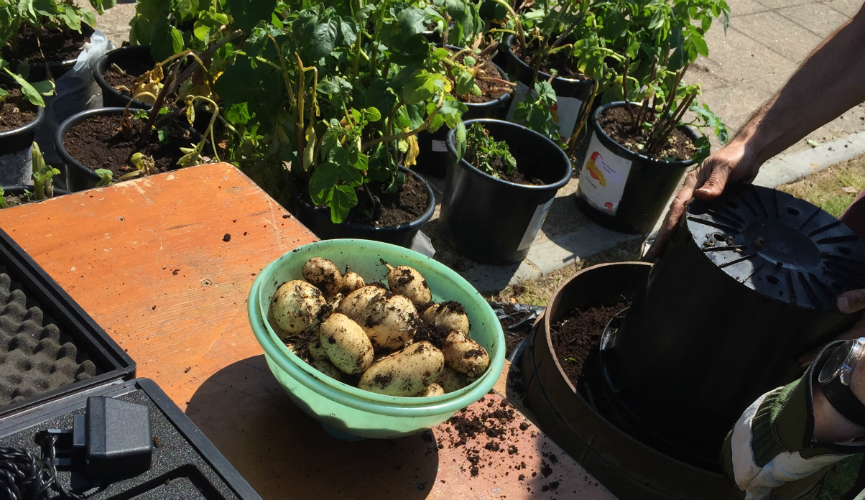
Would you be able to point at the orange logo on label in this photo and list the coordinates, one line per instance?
(594, 171)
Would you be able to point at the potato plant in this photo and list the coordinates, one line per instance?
(482, 150)
(373, 332)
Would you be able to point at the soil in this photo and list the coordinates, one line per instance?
(578, 333)
(57, 44)
(435, 335)
(560, 61)
(15, 111)
(98, 143)
(133, 68)
(486, 87)
(616, 122)
(402, 207)
(517, 176)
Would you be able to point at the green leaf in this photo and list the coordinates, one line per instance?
(25, 10)
(323, 41)
(464, 83)
(28, 90)
(238, 114)
(248, 13)
(344, 199)
(322, 182)
(88, 17)
(372, 114)
(105, 176)
(421, 87)
(45, 87)
(201, 32)
(349, 30)
(411, 22)
(3, 95)
(460, 139)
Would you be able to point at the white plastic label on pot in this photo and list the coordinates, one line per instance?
(439, 146)
(566, 112)
(603, 178)
(535, 224)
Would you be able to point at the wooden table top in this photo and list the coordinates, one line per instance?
(164, 264)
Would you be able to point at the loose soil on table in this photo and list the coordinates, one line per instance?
(559, 61)
(98, 143)
(15, 111)
(578, 333)
(57, 45)
(525, 164)
(486, 87)
(402, 207)
(616, 122)
(133, 68)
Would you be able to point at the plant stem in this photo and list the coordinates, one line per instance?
(520, 34)
(625, 91)
(403, 135)
(573, 140)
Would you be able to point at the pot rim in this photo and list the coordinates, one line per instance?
(495, 102)
(558, 292)
(626, 153)
(541, 75)
(75, 119)
(16, 188)
(417, 223)
(29, 128)
(102, 64)
(557, 185)
(86, 30)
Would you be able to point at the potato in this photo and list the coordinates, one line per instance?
(355, 303)
(465, 355)
(404, 373)
(346, 344)
(450, 315)
(351, 281)
(323, 274)
(451, 380)
(327, 368)
(391, 322)
(404, 280)
(295, 306)
(432, 390)
(316, 351)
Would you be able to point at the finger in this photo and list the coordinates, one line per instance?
(677, 208)
(850, 302)
(714, 185)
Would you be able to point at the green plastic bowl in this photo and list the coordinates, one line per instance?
(348, 412)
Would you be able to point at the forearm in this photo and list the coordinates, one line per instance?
(829, 82)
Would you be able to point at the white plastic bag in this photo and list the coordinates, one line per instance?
(76, 91)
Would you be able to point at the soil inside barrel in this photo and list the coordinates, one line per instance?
(617, 123)
(560, 61)
(406, 205)
(578, 333)
(15, 111)
(490, 91)
(133, 68)
(97, 142)
(56, 44)
(519, 175)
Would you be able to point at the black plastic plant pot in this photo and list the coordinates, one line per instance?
(50, 347)
(20, 189)
(15, 160)
(623, 190)
(494, 221)
(746, 286)
(39, 70)
(183, 462)
(572, 95)
(111, 97)
(318, 221)
(433, 156)
(79, 176)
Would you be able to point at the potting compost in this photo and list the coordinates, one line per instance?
(767, 267)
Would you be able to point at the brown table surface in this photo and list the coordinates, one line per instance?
(149, 261)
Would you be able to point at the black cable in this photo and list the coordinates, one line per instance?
(24, 476)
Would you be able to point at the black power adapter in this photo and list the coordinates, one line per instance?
(111, 441)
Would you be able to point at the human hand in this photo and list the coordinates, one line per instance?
(734, 162)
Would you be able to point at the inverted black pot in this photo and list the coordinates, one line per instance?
(79, 176)
(432, 158)
(15, 161)
(494, 221)
(623, 190)
(318, 221)
(112, 97)
(745, 287)
(572, 95)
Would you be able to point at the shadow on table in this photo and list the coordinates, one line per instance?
(284, 453)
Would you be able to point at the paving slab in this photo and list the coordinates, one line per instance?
(816, 17)
(779, 34)
(744, 7)
(741, 58)
(846, 7)
(777, 4)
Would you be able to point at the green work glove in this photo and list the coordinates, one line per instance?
(772, 444)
